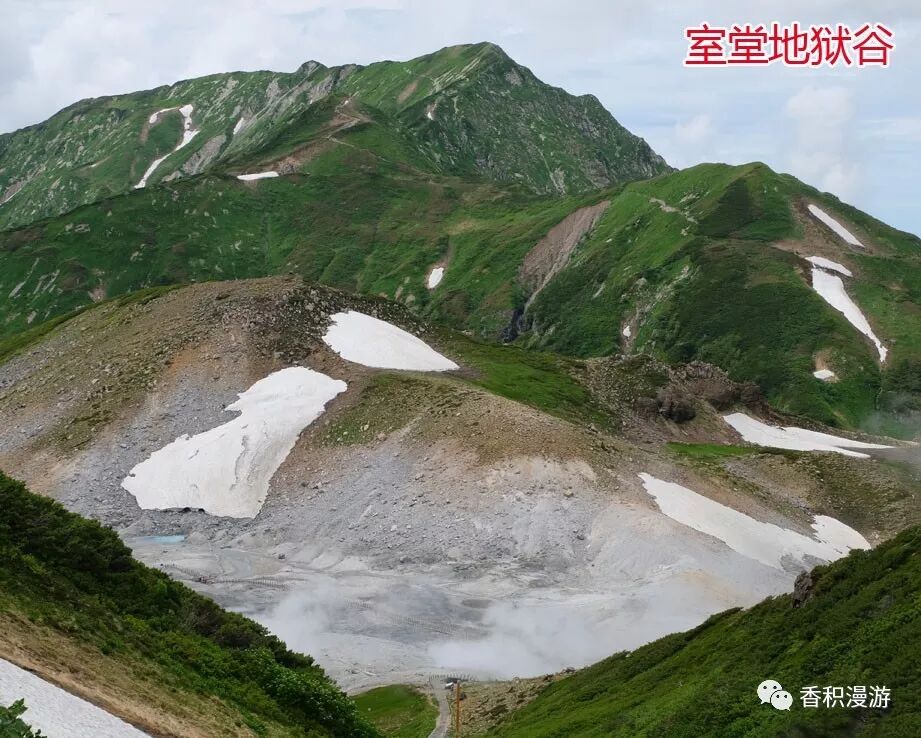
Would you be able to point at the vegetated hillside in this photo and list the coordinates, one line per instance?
(474, 111)
(854, 622)
(708, 263)
(399, 711)
(76, 606)
(466, 110)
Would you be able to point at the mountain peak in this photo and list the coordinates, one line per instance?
(309, 67)
(485, 48)
(468, 110)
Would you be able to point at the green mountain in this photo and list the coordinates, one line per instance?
(172, 661)
(465, 110)
(163, 251)
(707, 263)
(854, 622)
(463, 161)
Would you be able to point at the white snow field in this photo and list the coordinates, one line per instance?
(257, 175)
(824, 374)
(188, 133)
(821, 261)
(793, 438)
(435, 277)
(831, 289)
(153, 116)
(56, 712)
(376, 343)
(627, 332)
(834, 225)
(765, 542)
(238, 126)
(227, 470)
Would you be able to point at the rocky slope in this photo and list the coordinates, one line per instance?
(428, 522)
(465, 110)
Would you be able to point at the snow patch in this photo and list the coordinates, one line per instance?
(56, 712)
(831, 289)
(153, 117)
(10, 192)
(365, 340)
(227, 470)
(435, 277)
(627, 332)
(764, 542)
(188, 133)
(793, 438)
(257, 175)
(834, 225)
(824, 374)
(238, 126)
(834, 266)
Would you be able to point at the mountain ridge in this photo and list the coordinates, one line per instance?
(652, 273)
(101, 146)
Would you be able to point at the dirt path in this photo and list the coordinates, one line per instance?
(443, 723)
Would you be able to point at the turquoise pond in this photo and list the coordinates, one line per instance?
(162, 539)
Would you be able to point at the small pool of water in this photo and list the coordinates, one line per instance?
(179, 538)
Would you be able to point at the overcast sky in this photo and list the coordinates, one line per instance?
(854, 132)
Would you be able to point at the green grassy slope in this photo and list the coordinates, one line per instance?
(379, 232)
(484, 127)
(860, 626)
(475, 111)
(398, 711)
(686, 259)
(75, 578)
(101, 147)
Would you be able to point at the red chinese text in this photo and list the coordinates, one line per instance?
(793, 45)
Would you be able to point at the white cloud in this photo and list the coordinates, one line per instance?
(688, 139)
(694, 130)
(822, 152)
(894, 129)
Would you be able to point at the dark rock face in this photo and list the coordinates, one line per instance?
(675, 405)
(647, 407)
(803, 589)
(712, 384)
(750, 394)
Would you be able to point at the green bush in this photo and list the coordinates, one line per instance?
(11, 726)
